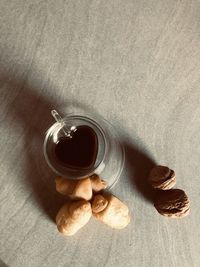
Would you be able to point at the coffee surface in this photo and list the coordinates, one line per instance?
(80, 151)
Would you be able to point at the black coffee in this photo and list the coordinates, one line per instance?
(80, 151)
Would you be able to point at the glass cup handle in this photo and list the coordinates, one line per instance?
(68, 130)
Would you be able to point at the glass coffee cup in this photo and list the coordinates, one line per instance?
(78, 146)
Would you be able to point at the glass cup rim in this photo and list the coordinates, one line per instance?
(66, 118)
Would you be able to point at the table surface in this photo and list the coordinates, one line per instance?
(136, 63)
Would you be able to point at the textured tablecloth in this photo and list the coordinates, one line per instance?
(136, 63)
